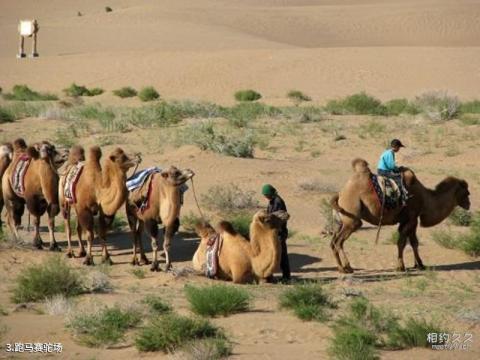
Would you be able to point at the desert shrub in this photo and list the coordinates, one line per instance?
(396, 107)
(58, 305)
(241, 222)
(225, 141)
(228, 199)
(148, 93)
(298, 97)
(170, 332)
(469, 120)
(139, 273)
(55, 113)
(193, 109)
(316, 185)
(468, 243)
(103, 326)
(207, 349)
(352, 343)
(414, 333)
(39, 281)
(24, 93)
(438, 105)
(372, 128)
(242, 114)
(308, 302)
(96, 281)
(247, 95)
(108, 9)
(75, 90)
(217, 300)
(460, 217)
(357, 104)
(125, 92)
(156, 304)
(161, 114)
(327, 214)
(6, 115)
(470, 107)
(66, 137)
(189, 220)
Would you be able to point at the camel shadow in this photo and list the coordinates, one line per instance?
(473, 265)
(297, 261)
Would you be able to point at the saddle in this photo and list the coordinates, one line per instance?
(388, 186)
(140, 188)
(18, 175)
(71, 179)
(214, 246)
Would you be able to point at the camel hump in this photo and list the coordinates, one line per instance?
(360, 165)
(33, 152)
(19, 145)
(76, 154)
(225, 226)
(6, 150)
(95, 154)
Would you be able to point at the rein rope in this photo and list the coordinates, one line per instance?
(381, 211)
(196, 200)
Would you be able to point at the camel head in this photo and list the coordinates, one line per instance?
(462, 194)
(48, 151)
(121, 160)
(176, 177)
(274, 220)
(76, 154)
(6, 151)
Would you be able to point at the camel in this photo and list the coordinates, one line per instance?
(163, 200)
(241, 260)
(357, 201)
(40, 188)
(6, 155)
(101, 191)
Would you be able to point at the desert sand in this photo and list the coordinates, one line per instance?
(208, 49)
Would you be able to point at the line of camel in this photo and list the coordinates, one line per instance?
(101, 191)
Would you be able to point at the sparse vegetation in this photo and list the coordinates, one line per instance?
(40, 281)
(189, 220)
(396, 107)
(247, 95)
(207, 349)
(170, 332)
(157, 305)
(241, 222)
(58, 305)
(357, 104)
(229, 199)
(327, 214)
(468, 242)
(75, 90)
(148, 93)
(103, 326)
(298, 97)
(125, 92)
(372, 128)
(316, 185)
(24, 93)
(438, 105)
(414, 333)
(470, 107)
(6, 116)
(308, 302)
(138, 273)
(108, 9)
(217, 300)
(161, 114)
(460, 217)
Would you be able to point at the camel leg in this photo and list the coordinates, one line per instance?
(85, 221)
(51, 230)
(37, 240)
(333, 246)
(337, 247)
(414, 243)
(152, 228)
(68, 229)
(168, 232)
(81, 247)
(143, 258)
(11, 221)
(402, 241)
(103, 226)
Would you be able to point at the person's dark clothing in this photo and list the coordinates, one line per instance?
(277, 204)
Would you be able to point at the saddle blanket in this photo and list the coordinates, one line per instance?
(71, 179)
(137, 180)
(391, 189)
(18, 175)
(213, 250)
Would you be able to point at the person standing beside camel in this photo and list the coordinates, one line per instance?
(388, 168)
(276, 203)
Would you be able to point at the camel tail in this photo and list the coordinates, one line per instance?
(360, 165)
(336, 207)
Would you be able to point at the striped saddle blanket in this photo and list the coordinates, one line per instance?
(214, 246)
(18, 175)
(393, 195)
(71, 179)
(136, 180)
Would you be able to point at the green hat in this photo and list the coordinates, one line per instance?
(268, 190)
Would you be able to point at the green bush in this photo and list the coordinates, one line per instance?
(470, 107)
(148, 93)
(138, 273)
(241, 223)
(298, 97)
(108, 9)
(414, 333)
(228, 199)
(75, 90)
(157, 305)
(161, 114)
(105, 326)
(125, 92)
(247, 95)
(217, 300)
(6, 115)
(357, 104)
(24, 93)
(308, 301)
(396, 107)
(460, 217)
(39, 281)
(170, 332)
(353, 343)
(244, 113)
(469, 120)
(468, 243)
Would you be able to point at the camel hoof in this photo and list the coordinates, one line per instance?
(135, 262)
(155, 266)
(70, 254)
(348, 269)
(144, 261)
(107, 260)
(54, 247)
(420, 267)
(401, 269)
(37, 246)
(88, 261)
(82, 253)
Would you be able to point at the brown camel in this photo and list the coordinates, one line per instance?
(99, 190)
(161, 198)
(40, 188)
(6, 155)
(241, 260)
(357, 201)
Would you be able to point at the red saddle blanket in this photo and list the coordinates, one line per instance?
(18, 175)
(71, 180)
